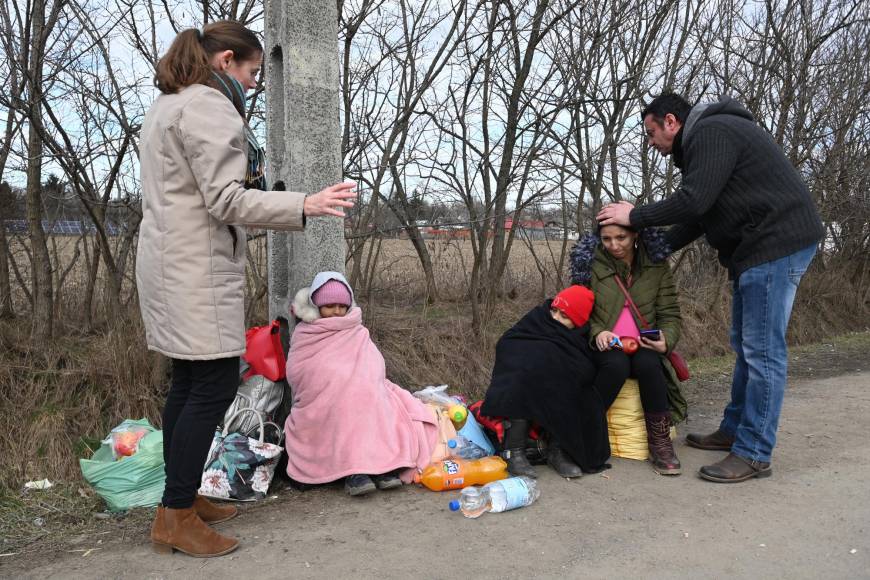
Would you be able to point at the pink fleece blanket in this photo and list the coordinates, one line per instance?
(346, 417)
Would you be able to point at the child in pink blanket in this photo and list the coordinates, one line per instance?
(347, 420)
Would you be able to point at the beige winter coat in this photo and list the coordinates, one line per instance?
(190, 262)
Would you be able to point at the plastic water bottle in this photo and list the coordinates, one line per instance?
(465, 448)
(498, 496)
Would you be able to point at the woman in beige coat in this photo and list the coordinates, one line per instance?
(202, 181)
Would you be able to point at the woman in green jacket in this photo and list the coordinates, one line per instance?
(639, 260)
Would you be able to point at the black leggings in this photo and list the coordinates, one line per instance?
(201, 392)
(614, 366)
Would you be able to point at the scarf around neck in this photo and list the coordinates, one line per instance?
(255, 174)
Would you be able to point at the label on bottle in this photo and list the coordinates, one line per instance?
(516, 493)
(450, 467)
(456, 482)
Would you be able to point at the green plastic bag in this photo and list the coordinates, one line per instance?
(134, 481)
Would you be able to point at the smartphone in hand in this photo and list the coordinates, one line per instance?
(652, 334)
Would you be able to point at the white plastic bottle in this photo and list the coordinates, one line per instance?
(462, 447)
(498, 496)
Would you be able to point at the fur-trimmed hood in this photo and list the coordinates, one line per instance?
(304, 309)
(583, 252)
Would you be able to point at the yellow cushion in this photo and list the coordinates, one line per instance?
(625, 425)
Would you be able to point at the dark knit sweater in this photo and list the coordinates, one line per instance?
(738, 189)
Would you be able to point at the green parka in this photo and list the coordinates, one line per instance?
(652, 289)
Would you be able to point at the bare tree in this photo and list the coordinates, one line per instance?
(35, 27)
(416, 41)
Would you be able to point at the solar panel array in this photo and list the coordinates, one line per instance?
(60, 227)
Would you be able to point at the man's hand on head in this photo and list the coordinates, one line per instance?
(615, 213)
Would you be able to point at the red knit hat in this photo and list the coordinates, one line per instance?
(575, 302)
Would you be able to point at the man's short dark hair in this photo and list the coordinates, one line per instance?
(667, 103)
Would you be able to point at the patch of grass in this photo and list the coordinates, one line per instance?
(853, 341)
(853, 344)
(59, 397)
(711, 365)
(37, 521)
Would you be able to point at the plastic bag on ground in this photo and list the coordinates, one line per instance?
(124, 439)
(438, 396)
(134, 481)
(472, 431)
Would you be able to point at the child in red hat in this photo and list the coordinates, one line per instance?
(572, 306)
(544, 374)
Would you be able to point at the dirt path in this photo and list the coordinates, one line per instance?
(810, 520)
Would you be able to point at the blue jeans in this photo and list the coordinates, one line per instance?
(761, 307)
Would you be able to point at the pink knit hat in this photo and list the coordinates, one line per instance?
(332, 292)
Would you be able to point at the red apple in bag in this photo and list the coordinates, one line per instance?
(629, 344)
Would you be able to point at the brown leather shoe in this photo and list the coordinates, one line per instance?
(182, 530)
(715, 441)
(212, 513)
(661, 449)
(734, 469)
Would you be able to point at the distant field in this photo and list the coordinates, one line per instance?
(398, 267)
(452, 261)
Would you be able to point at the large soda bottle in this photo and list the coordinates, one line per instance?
(455, 473)
(498, 496)
(464, 448)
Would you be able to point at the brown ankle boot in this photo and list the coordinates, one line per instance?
(661, 448)
(182, 530)
(212, 513)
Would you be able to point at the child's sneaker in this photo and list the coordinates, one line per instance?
(387, 480)
(358, 484)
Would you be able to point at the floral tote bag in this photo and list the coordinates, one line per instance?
(240, 467)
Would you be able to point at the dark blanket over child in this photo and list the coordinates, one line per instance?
(544, 373)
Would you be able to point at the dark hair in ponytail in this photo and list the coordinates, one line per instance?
(187, 60)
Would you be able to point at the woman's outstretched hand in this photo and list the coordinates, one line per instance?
(602, 341)
(660, 345)
(331, 200)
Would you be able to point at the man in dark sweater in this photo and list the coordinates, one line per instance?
(741, 192)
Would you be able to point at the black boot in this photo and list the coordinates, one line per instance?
(560, 461)
(515, 448)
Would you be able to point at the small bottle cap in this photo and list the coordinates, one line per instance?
(458, 413)
(452, 443)
(454, 505)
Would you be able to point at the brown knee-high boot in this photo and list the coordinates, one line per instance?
(183, 530)
(661, 448)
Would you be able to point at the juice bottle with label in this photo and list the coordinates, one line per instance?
(455, 473)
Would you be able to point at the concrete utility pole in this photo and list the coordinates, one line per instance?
(303, 144)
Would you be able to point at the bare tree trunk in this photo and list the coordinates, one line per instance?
(6, 310)
(92, 267)
(41, 284)
(42, 324)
